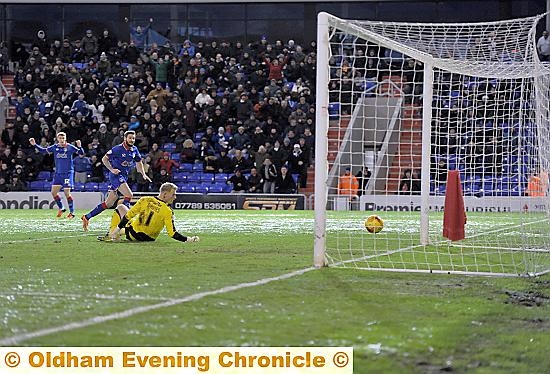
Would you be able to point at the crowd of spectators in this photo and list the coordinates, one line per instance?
(224, 106)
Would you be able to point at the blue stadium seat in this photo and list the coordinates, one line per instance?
(38, 185)
(221, 177)
(179, 176)
(216, 188)
(194, 177)
(198, 136)
(186, 167)
(169, 147)
(91, 187)
(333, 110)
(207, 178)
(198, 167)
(79, 187)
(202, 188)
(175, 156)
(44, 176)
(186, 188)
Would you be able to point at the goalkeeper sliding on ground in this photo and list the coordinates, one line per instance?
(146, 219)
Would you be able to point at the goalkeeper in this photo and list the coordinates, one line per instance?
(146, 219)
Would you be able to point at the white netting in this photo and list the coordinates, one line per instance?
(486, 116)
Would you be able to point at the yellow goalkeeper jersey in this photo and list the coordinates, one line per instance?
(150, 215)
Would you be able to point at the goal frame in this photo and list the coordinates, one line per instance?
(322, 127)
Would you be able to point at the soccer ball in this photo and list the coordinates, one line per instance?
(374, 224)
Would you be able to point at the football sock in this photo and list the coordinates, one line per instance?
(115, 220)
(57, 200)
(71, 204)
(98, 209)
(127, 200)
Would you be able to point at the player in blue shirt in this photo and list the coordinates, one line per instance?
(119, 160)
(64, 169)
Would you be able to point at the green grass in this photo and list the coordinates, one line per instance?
(52, 274)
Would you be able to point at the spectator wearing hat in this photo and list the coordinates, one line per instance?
(166, 163)
(134, 123)
(103, 66)
(16, 184)
(203, 99)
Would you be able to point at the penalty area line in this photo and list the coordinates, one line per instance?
(16, 339)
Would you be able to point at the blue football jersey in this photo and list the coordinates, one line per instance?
(63, 156)
(123, 159)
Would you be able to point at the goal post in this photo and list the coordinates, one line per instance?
(405, 104)
(321, 141)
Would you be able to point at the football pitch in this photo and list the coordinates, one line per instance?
(249, 282)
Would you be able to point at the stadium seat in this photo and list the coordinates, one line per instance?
(370, 87)
(175, 156)
(186, 188)
(202, 188)
(79, 187)
(198, 136)
(221, 177)
(91, 187)
(216, 188)
(333, 110)
(179, 177)
(194, 177)
(207, 178)
(186, 167)
(169, 147)
(38, 185)
(44, 176)
(198, 167)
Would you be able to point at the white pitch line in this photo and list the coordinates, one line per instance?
(147, 308)
(78, 296)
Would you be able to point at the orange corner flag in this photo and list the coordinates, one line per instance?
(454, 215)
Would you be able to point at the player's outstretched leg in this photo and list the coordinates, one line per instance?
(109, 201)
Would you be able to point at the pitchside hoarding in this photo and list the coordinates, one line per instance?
(44, 200)
(437, 203)
(235, 201)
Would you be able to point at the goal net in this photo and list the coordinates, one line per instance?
(415, 119)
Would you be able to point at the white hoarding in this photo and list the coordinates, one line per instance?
(44, 200)
(472, 204)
